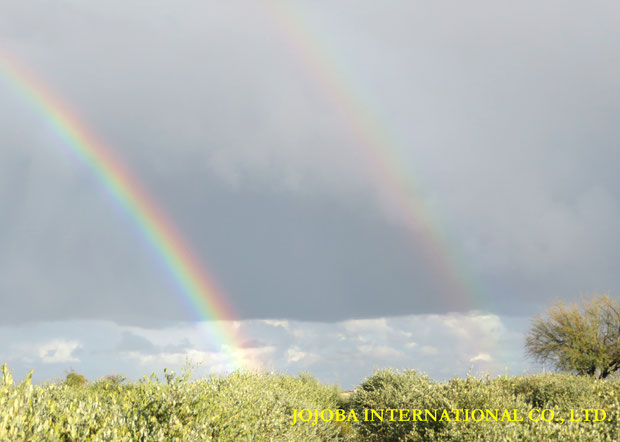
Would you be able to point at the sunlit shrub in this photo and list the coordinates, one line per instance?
(74, 379)
(240, 406)
(559, 392)
(244, 406)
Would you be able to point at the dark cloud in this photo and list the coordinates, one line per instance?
(504, 115)
(275, 256)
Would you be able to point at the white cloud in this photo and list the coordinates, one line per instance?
(198, 335)
(58, 351)
(484, 357)
(255, 358)
(366, 325)
(277, 323)
(304, 333)
(467, 325)
(380, 351)
(429, 350)
(325, 347)
(472, 331)
(295, 354)
(213, 362)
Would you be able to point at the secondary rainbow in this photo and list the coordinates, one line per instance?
(182, 263)
(382, 151)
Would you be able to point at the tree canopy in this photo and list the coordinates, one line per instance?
(581, 339)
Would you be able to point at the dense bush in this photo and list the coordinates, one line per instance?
(388, 389)
(74, 379)
(559, 392)
(246, 406)
(237, 407)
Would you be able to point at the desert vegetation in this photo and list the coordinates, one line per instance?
(583, 339)
(244, 406)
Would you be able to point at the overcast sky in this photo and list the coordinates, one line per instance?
(502, 116)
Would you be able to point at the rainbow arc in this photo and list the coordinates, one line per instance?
(196, 285)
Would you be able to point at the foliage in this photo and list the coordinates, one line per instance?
(110, 381)
(585, 341)
(259, 407)
(75, 380)
(561, 393)
(398, 390)
(241, 406)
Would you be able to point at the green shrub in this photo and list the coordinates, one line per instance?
(387, 389)
(558, 392)
(240, 406)
(75, 380)
(244, 406)
(552, 390)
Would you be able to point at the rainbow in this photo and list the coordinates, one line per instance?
(381, 150)
(397, 186)
(195, 284)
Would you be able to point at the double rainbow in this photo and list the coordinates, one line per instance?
(374, 141)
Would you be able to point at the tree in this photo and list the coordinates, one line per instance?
(583, 340)
(75, 380)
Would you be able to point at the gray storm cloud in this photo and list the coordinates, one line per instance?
(504, 114)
